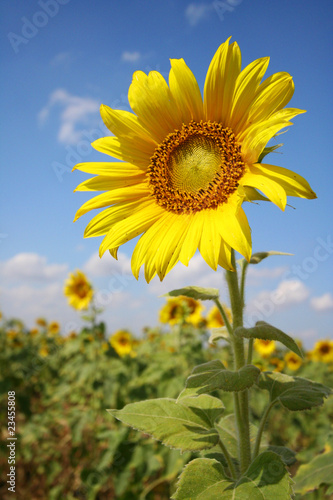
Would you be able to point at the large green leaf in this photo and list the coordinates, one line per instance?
(265, 331)
(294, 393)
(319, 471)
(213, 375)
(195, 292)
(204, 479)
(186, 425)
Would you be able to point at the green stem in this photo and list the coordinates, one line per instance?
(228, 459)
(242, 284)
(242, 407)
(261, 429)
(225, 317)
(250, 351)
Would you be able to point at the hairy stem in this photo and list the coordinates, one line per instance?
(261, 429)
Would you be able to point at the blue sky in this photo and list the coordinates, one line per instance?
(61, 59)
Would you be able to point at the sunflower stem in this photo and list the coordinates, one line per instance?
(241, 400)
(225, 317)
(261, 429)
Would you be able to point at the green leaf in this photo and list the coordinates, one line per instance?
(213, 375)
(259, 256)
(186, 425)
(265, 331)
(204, 479)
(195, 292)
(294, 393)
(229, 435)
(288, 456)
(319, 471)
(198, 478)
(219, 334)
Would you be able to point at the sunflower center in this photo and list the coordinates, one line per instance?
(195, 168)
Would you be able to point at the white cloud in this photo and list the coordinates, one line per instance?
(322, 303)
(31, 267)
(196, 12)
(255, 275)
(266, 303)
(76, 112)
(130, 56)
(107, 265)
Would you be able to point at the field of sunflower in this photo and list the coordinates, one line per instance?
(69, 447)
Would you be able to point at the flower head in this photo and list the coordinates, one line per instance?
(53, 328)
(214, 317)
(323, 351)
(188, 163)
(181, 309)
(78, 290)
(264, 347)
(121, 341)
(293, 362)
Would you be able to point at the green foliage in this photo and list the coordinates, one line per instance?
(195, 292)
(205, 479)
(317, 472)
(264, 331)
(213, 375)
(294, 393)
(186, 425)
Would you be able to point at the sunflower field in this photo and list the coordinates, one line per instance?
(68, 446)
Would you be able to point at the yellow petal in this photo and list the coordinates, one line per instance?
(103, 221)
(125, 125)
(209, 246)
(151, 99)
(168, 249)
(246, 85)
(106, 183)
(185, 91)
(116, 169)
(126, 151)
(137, 191)
(234, 229)
(220, 82)
(225, 256)
(192, 238)
(130, 227)
(267, 185)
(292, 183)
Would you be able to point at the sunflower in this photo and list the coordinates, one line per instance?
(189, 163)
(214, 317)
(293, 362)
(323, 351)
(121, 341)
(53, 328)
(78, 290)
(181, 309)
(277, 363)
(41, 322)
(264, 347)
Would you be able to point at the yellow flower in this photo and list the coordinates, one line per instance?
(1, 316)
(181, 309)
(277, 363)
(293, 362)
(189, 163)
(72, 335)
(41, 322)
(53, 328)
(43, 351)
(214, 317)
(323, 351)
(33, 332)
(78, 290)
(121, 342)
(12, 334)
(264, 347)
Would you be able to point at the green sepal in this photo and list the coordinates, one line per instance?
(195, 292)
(259, 256)
(186, 425)
(294, 393)
(267, 150)
(213, 375)
(265, 331)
